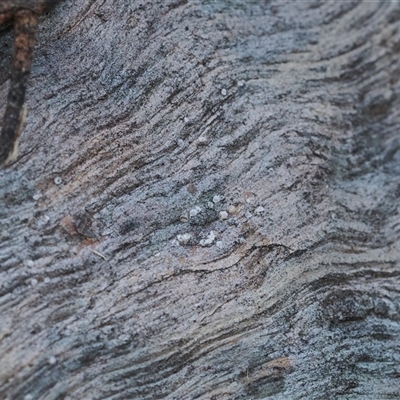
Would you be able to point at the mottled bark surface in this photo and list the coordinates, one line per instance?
(206, 204)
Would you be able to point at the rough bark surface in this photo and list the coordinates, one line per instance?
(206, 205)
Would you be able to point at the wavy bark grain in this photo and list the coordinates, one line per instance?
(206, 204)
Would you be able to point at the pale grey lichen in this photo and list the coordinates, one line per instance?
(184, 238)
(209, 240)
(223, 215)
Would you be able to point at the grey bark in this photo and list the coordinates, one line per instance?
(206, 204)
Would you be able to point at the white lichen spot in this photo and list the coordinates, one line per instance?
(186, 120)
(28, 397)
(157, 254)
(205, 242)
(209, 240)
(271, 171)
(37, 196)
(241, 83)
(259, 210)
(210, 205)
(183, 239)
(52, 360)
(44, 220)
(58, 180)
(217, 198)
(29, 263)
(34, 282)
(250, 197)
(223, 92)
(220, 244)
(47, 280)
(194, 211)
(223, 215)
(124, 338)
(333, 216)
(202, 140)
(180, 142)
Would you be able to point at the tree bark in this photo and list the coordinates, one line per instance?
(206, 203)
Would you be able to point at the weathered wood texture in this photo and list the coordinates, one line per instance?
(286, 115)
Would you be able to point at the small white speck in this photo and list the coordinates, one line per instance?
(271, 171)
(28, 397)
(241, 83)
(47, 280)
(186, 120)
(210, 205)
(123, 338)
(220, 244)
(37, 196)
(334, 217)
(44, 220)
(194, 211)
(29, 263)
(58, 180)
(209, 240)
(240, 240)
(34, 282)
(201, 141)
(217, 198)
(259, 210)
(251, 198)
(248, 214)
(223, 215)
(223, 92)
(205, 242)
(183, 239)
(180, 142)
(157, 254)
(52, 360)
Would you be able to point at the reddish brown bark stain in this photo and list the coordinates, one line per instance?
(23, 14)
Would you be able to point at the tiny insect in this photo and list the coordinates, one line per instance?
(24, 15)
